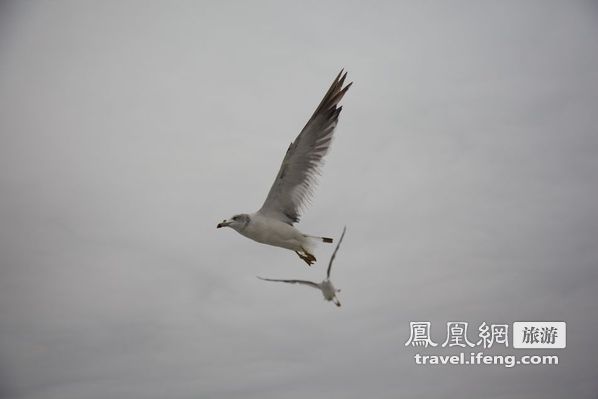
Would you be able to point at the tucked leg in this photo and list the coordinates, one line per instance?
(306, 258)
(310, 258)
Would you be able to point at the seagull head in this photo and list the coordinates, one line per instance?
(237, 222)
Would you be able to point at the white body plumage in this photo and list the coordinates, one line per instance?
(328, 290)
(271, 231)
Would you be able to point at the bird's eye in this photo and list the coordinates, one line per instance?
(235, 218)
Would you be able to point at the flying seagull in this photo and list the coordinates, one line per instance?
(325, 286)
(295, 182)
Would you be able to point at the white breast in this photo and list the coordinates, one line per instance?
(273, 232)
(328, 290)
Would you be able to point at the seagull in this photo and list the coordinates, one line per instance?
(293, 187)
(325, 286)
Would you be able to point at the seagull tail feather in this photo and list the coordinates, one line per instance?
(322, 239)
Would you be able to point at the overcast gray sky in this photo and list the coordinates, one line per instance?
(465, 167)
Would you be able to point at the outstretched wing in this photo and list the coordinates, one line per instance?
(334, 253)
(305, 282)
(296, 178)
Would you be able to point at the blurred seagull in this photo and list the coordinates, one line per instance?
(295, 182)
(325, 286)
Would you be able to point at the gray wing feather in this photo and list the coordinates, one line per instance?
(310, 283)
(296, 178)
(334, 253)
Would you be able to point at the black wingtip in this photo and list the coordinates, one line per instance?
(343, 74)
(340, 78)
